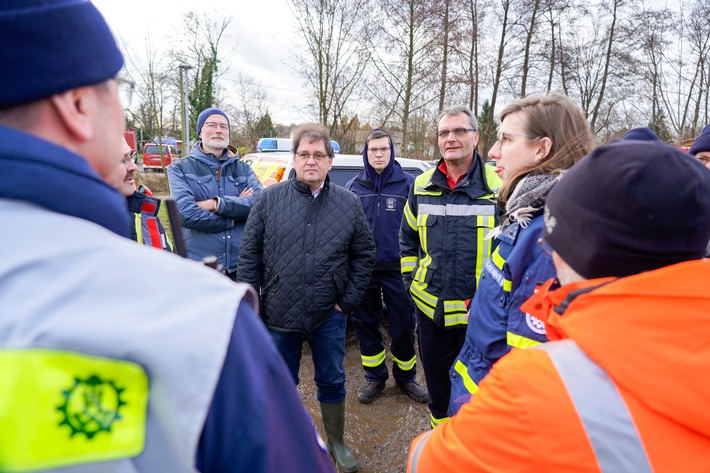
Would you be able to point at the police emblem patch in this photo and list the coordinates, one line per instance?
(390, 204)
(90, 406)
(535, 324)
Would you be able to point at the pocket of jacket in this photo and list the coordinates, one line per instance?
(204, 187)
(235, 185)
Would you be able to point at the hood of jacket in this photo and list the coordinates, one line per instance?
(650, 332)
(369, 173)
(210, 159)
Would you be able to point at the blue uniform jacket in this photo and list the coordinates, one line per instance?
(200, 177)
(383, 205)
(496, 324)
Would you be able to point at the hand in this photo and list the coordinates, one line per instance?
(246, 192)
(206, 204)
(337, 307)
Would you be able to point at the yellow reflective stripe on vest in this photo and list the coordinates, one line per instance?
(499, 262)
(518, 341)
(455, 313)
(494, 181)
(139, 227)
(424, 301)
(409, 217)
(468, 383)
(405, 365)
(484, 224)
(61, 408)
(372, 361)
(422, 180)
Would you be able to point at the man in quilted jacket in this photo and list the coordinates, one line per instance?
(308, 250)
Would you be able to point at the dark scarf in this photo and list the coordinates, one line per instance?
(42, 173)
(528, 197)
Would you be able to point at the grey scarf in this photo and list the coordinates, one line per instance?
(528, 197)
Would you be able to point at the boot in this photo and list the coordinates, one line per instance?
(334, 423)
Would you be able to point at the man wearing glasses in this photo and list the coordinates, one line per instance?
(214, 192)
(307, 248)
(143, 209)
(383, 188)
(449, 211)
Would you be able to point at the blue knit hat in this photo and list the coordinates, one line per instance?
(206, 113)
(51, 46)
(702, 142)
(643, 134)
(629, 207)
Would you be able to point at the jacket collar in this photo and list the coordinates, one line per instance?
(210, 159)
(48, 175)
(473, 183)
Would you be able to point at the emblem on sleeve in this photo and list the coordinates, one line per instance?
(535, 324)
(91, 406)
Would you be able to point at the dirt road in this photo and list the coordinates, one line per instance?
(379, 433)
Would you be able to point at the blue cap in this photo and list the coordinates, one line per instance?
(643, 134)
(702, 142)
(206, 113)
(51, 46)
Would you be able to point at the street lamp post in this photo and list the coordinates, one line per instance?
(185, 109)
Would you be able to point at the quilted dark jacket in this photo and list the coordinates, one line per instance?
(305, 255)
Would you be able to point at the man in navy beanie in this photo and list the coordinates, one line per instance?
(622, 384)
(641, 134)
(214, 191)
(701, 147)
(97, 375)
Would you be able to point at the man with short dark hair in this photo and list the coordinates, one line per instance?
(449, 211)
(622, 385)
(383, 188)
(99, 371)
(308, 250)
(214, 192)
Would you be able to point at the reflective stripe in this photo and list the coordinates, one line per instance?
(497, 259)
(507, 285)
(484, 223)
(68, 408)
(418, 451)
(139, 227)
(469, 383)
(372, 361)
(409, 217)
(455, 313)
(408, 263)
(518, 341)
(405, 365)
(457, 210)
(604, 415)
(436, 422)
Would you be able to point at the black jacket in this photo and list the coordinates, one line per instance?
(305, 255)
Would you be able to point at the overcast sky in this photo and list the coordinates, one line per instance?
(261, 35)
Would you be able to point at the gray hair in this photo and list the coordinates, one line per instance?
(312, 132)
(455, 110)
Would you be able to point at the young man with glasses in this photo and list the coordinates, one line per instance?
(449, 211)
(383, 188)
(308, 250)
(214, 191)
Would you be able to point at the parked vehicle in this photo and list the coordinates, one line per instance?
(273, 145)
(131, 139)
(273, 167)
(151, 156)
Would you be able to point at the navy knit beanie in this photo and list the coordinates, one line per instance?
(206, 113)
(629, 207)
(702, 142)
(51, 46)
(643, 134)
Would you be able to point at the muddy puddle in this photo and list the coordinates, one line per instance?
(379, 433)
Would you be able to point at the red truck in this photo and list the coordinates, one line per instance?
(130, 136)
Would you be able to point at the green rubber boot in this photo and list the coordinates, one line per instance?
(334, 423)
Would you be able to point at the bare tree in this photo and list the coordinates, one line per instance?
(333, 55)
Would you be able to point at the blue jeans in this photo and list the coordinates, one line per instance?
(327, 344)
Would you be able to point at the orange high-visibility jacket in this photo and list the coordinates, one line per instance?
(650, 333)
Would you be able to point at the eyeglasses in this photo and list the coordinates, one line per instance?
(545, 246)
(125, 92)
(503, 137)
(127, 161)
(214, 126)
(378, 150)
(319, 157)
(455, 131)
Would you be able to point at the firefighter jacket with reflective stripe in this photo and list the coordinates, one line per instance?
(442, 240)
(496, 324)
(648, 333)
(146, 227)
